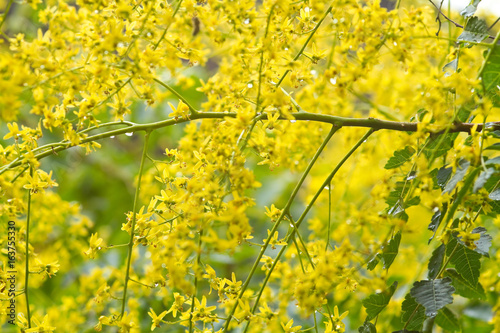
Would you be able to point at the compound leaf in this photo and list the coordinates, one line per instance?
(463, 287)
(462, 167)
(377, 302)
(413, 313)
(437, 146)
(367, 328)
(491, 79)
(475, 31)
(436, 261)
(447, 320)
(482, 179)
(495, 195)
(433, 294)
(470, 9)
(400, 157)
(391, 250)
(465, 260)
(483, 243)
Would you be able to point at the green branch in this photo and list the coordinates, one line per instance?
(305, 44)
(261, 64)
(308, 208)
(4, 16)
(284, 212)
(198, 263)
(27, 255)
(179, 96)
(373, 123)
(168, 26)
(132, 228)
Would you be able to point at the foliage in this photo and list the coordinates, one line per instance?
(245, 166)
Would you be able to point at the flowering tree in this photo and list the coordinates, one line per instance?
(249, 166)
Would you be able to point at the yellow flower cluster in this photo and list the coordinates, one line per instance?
(247, 214)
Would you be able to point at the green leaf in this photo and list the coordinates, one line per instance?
(436, 220)
(377, 302)
(475, 31)
(447, 320)
(398, 193)
(480, 311)
(373, 262)
(439, 145)
(450, 67)
(493, 161)
(491, 76)
(400, 157)
(367, 328)
(390, 251)
(396, 198)
(436, 262)
(413, 314)
(495, 146)
(495, 134)
(462, 167)
(495, 195)
(482, 179)
(412, 202)
(464, 288)
(433, 294)
(470, 9)
(483, 243)
(465, 260)
(443, 175)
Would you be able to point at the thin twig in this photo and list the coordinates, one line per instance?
(284, 212)
(450, 20)
(27, 255)
(132, 227)
(496, 21)
(4, 16)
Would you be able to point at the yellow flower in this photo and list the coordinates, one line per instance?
(22, 322)
(316, 55)
(156, 319)
(13, 131)
(44, 326)
(47, 178)
(95, 245)
(289, 328)
(52, 268)
(233, 286)
(35, 184)
(305, 15)
(125, 324)
(274, 213)
(177, 306)
(335, 325)
(270, 123)
(182, 110)
(273, 240)
(212, 278)
(103, 320)
(202, 311)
